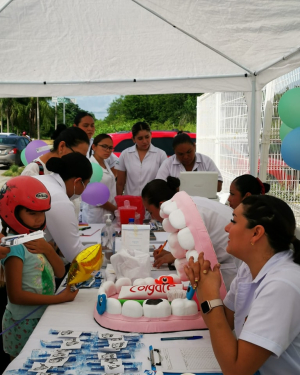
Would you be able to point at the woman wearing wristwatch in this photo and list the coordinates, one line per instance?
(263, 303)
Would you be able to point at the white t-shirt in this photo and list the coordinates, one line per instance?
(139, 174)
(267, 311)
(32, 169)
(172, 167)
(61, 221)
(95, 214)
(216, 216)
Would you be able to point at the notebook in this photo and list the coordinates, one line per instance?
(200, 184)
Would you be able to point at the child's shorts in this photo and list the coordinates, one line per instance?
(16, 337)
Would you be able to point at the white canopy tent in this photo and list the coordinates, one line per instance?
(99, 47)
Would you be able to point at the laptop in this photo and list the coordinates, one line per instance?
(199, 184)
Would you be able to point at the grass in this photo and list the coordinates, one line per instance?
(13, 171)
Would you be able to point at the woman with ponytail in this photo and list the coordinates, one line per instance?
(243, 186)
(263, 303)
(71, 174)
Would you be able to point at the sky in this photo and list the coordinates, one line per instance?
(95, 104)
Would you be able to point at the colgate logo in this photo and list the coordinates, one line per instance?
(150, 289)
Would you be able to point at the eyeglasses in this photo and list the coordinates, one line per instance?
(70, 147)
(110, 148)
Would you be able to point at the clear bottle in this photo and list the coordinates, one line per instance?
(108, 236)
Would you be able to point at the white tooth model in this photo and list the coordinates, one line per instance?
(144, 306)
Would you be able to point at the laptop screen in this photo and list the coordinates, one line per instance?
(200, 184)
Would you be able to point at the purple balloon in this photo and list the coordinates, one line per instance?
(31, 151)
(95, 193)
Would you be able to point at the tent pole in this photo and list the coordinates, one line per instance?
(5, 5)
(252, 133)
(297, 50)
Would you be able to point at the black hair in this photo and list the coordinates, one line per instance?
(71, 165)
(140, 126)
(80, 115)
(181, 138)
(58, 130)
(100, 137)
(277, 218)
(72, 137)
(246, 183)
(157, 191)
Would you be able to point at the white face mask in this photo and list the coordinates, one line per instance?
(75, 196)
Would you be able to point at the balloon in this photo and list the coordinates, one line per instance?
(97, 173)
(32, 152)
(290, 149)
(289, 108)
(87, 261)
(284, 131)
(23, 157)
(95, 193)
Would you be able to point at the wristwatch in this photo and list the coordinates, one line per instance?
(207, 306)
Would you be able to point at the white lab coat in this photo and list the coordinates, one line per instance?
(61, 221)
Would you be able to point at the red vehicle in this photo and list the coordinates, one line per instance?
(160, 138)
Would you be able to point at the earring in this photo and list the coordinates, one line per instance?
(252, 243)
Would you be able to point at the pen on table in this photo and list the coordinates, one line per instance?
(161, 247)
(84, 228)
(181, 338)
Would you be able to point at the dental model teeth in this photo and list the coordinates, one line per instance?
(168, 227)
(122, 282)
(113, 306)
(146, 281)
(192, 253)
(162, 214)
(174, 246)
(108, 287)
(182, 307)
(177, 219)
(156, 308)
(132, 309)
(168, 207)
(186, 239)
(179, 264)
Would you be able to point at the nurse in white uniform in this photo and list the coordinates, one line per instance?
(72, 173)
(186, 159)
(138, 164)
(102, 147)
(263, 303)
(215, 216)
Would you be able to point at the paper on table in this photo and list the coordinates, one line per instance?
(190, 359)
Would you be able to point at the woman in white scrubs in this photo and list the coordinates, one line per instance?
(102, 147)
(69, 140)
(263, 303)
(215, 216)
(187, 160)
(71, 174)
(138, 164)
(243, 186)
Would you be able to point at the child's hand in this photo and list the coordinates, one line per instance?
(39, 246)
(163, 257)
(67, 295)
(4, 251)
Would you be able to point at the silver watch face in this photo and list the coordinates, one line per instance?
(205, 307)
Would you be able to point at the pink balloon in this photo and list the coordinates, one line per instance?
(31, 151)
(95, 193)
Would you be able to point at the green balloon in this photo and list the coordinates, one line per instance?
(97, 173)
(284, 131)
(289, 108)
(23, 158)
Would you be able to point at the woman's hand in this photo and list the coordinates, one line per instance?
(162, 257)
(202, 277)
(4, 251)
(67, 295)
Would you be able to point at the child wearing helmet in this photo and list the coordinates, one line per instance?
(29, 274)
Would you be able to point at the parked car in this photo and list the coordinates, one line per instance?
(160, 138)
(7, 134)
(11, 148)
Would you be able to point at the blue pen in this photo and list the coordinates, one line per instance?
(190, 292)
(181, 338)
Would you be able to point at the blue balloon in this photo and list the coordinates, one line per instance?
(290, 149)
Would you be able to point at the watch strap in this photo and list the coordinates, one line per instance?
(215, 303)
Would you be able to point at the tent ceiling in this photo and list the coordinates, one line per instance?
(98, 47)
